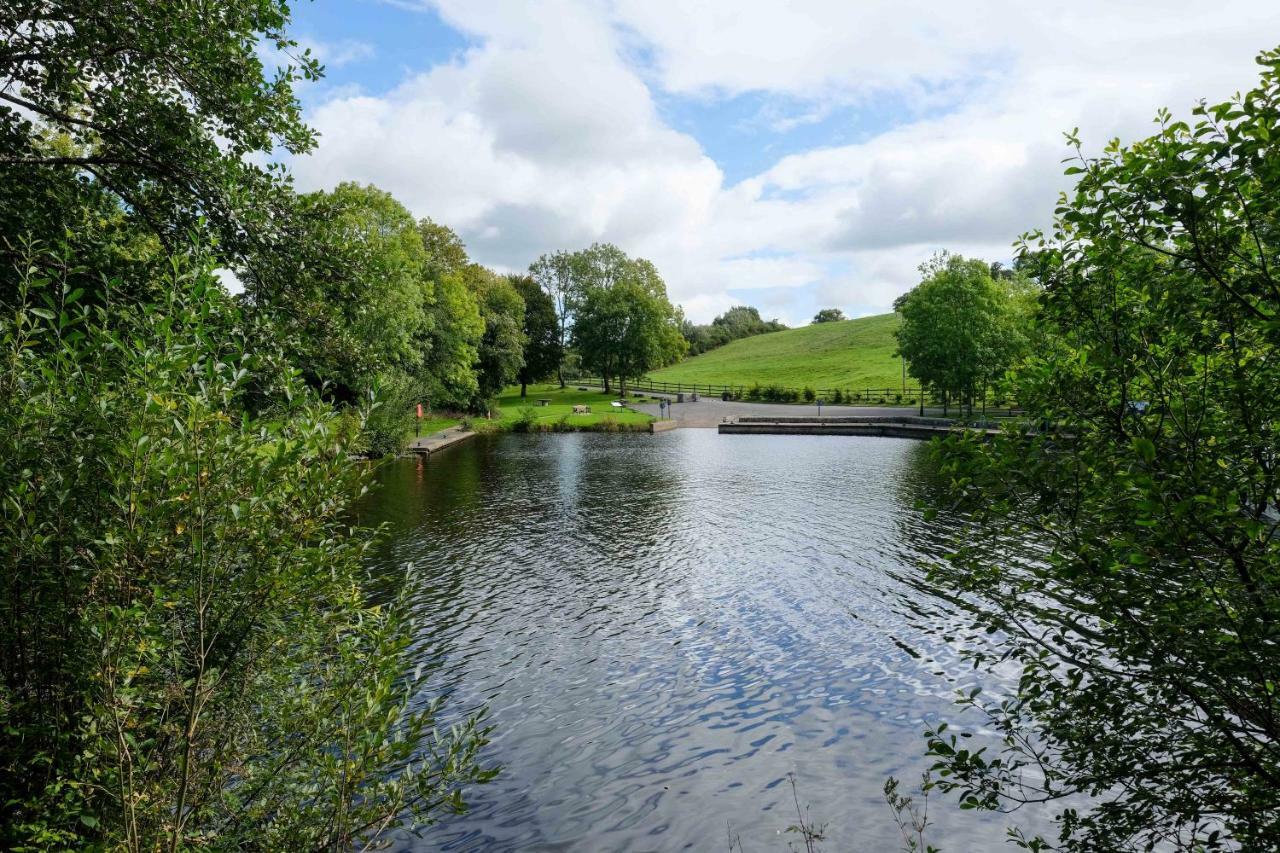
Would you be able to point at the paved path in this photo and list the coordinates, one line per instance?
(439, 440)
(712, 412)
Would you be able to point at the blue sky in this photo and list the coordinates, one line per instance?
(790, 156)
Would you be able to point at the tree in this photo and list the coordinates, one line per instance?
(350, 292)
(454, 324)
(828, 315)
(160, 104)
(625, 324)
(446, 253)
(960, 329)
(554, 274)
(500, 353)
(187, 656)
(542, 355)
(740, 321)
(1145, 619)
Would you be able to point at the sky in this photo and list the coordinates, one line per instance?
(786, 155)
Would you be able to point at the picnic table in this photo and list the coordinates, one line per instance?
(544, 402)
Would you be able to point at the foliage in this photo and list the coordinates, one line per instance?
(186, 656)
(624, 324)
(912, 820)
(524, 423)
(349, 293)
(161, 104)
(829, 315)
(542, 353)
(445, 252)
(500, 353)
(960, 329)
(1146, 622)
(741, 321)
(554, 273)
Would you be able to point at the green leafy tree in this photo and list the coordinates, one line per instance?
(446, 253)
(160, 104)
(740, 321)
(960, 329)
(187, 657)
(350, 294)
(829, 315)
(625, 323)
(454, 326)
(542, 354)
(554, 274)
(500, 353)
(1146, 620)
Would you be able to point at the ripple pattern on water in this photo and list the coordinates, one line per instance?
(664, 627)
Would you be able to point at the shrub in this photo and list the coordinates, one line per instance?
(754, 392)
(525, 423)
(810, 395)
(388, 415)
(837, 397)
(196, 663)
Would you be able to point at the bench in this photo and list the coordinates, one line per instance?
(544, 402)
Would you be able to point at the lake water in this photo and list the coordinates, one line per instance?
(664, 627)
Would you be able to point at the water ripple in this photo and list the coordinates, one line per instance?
(663, 627)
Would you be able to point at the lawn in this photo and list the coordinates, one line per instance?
(561, 406)
(851, 354)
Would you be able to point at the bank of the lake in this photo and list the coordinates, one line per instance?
(664, 629)
(544, 408)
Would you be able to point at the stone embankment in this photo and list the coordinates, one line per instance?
(429, 444)
(894, 427)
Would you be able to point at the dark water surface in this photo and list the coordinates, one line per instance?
(664, 627)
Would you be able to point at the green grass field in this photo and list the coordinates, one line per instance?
(509, 412)
(560, 406)
(849, 354)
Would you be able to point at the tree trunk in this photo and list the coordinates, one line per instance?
(945, 396)
(523, 389)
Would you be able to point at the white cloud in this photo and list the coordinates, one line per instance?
(335, 54)
(546, 134)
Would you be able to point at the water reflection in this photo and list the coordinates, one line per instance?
(664, 626)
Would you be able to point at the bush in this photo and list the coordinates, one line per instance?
(525, 423)
(810, 395)
(754, 392)
(388, 415)
(836, 397)
(196, 663)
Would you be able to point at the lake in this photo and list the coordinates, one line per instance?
(664, 627)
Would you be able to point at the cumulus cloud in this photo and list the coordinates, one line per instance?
(547, 133)
(335, 54)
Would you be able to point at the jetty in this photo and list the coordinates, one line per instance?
(893, 427)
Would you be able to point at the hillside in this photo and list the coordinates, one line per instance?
(848, 354)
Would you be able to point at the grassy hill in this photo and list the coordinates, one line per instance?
(849, 354)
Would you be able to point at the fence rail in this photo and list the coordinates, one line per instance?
(774, 393)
